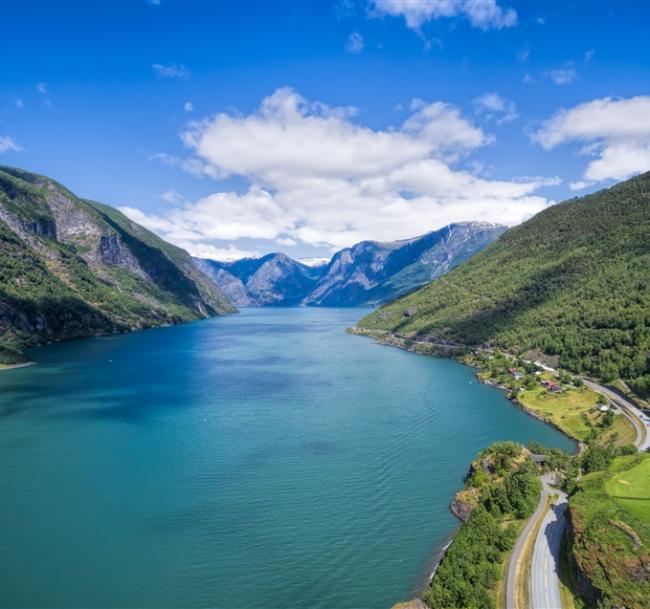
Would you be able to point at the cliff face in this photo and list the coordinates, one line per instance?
(368, 273)
(372, 273)
(71, 268)
(273, 280)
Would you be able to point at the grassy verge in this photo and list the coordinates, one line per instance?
(522, 580)
(500, 590)
(627, 392)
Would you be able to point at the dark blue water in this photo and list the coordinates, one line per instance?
(266, 460)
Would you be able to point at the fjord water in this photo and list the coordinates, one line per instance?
(266, 460)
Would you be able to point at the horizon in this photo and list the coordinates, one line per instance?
(305, 128)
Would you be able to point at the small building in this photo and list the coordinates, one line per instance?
(552, 386)
(603, 408)
(539, 459)
(515, 374)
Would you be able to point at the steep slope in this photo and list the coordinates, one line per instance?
(368, 273)
(574, 282)
(371, 272)
(609, 516)
(273, 280)
(72, 268)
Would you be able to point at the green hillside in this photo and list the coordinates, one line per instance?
(574, 282)
(71, 268)
(610, 521)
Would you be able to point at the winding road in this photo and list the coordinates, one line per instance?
(630, 411)
(544, 576)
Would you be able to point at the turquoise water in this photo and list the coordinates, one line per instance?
(266, 460)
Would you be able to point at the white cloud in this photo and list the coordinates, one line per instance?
(482, 14)
(288, 241)
(616, 131)
(355, 43)
(193, 166)
(8, 145)
(171, 196)
(494, 107)
(174, 70)
(188, 107)
(18, 103)
(41, 88)
(579, 185)
(317, 176)
(225, 254)
(562, 76)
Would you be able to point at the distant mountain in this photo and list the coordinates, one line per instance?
(368, 273)
(272, 280)
(572, 282)
(372, 272)
(71, 268)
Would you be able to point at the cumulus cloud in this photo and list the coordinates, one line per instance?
(318, 176)
(482, 14)
(494, 107)
(188, 107)
(355, 43)
(8, 145)
(174, 70)
(41, 88)
(615, 131)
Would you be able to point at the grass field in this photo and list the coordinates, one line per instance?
(568, 410)
(631, 489)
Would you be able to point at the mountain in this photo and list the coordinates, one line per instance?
(572, 282)
(371, 272)
(368, 273)
(71, 268)
(273, 280)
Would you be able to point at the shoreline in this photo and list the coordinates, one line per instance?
(432, 349)
(4, 367)
(451, 351)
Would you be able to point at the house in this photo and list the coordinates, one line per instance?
(515, 374)
(539, 459)
(603, 407)
(552, 386)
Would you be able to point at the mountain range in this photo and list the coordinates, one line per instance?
(70, 268)
(572, 282)
(367, 274)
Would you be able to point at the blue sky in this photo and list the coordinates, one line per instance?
(247, 127)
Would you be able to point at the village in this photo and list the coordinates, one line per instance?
(557, 397)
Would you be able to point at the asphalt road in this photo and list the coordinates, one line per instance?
(515, 557)
(641, 443)
(544, 576)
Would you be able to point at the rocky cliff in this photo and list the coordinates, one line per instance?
(369, 273)
(273, 280)
(71, 268)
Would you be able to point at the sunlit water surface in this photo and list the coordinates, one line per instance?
(266, 460)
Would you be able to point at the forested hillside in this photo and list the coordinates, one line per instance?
(72, 268)
(574, 282)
